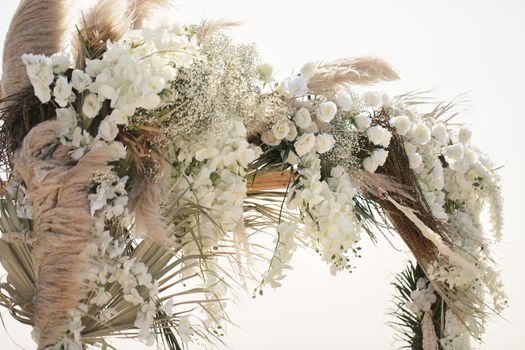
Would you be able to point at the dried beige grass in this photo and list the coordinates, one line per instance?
(366, 70)
(37, 27)
(61, 225)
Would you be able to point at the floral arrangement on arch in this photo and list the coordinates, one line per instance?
(147, 166)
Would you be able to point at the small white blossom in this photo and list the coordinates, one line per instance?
(308, 70)
(379, 135)
(455, 152)
(80, 80)
(344, 100)
(324, 143)
(108, 130)
(440, 133)
(401, 123)
(61, 62)
(414, 160)
(326, 111)
(91, 106)
(280, 130)
(362, 121)
(304, 144)
(62, 91)
(421, 134)
(206, 153)
(265, 71)
(302, 118)
(464, 135)
(270, 139)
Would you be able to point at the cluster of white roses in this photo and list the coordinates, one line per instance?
(212, 175)
(131, 74)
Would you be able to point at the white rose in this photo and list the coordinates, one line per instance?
(308, 70)
(302, 118)
(344, 100)
(324, 143)
(91, 106)
(265, 71)
(270, 139)
(440, 133)
(80, 80)
(206, 153)
(362, 121)
(401, 123)
(292, 133)
(118, 151)
(379, 156)
(304, 144)
(464, 135)
(421, 134)
(60, 62)
(62, 91)
(108, 130)
(372, 99)
(280, 130)
(94, 67)
(379, 136)
(370, 165)
(414, 160)
(455, 152)
(326, 111)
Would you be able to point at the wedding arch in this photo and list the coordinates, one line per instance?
(146, 167)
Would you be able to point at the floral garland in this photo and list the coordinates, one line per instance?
(192, 123)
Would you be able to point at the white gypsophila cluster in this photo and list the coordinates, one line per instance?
(422, 297)
(131, 74)
(327, 210)
(284, 248)
(212, 175)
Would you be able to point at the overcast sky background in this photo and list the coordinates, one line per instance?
(452, 46)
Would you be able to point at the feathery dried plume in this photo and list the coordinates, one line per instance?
(37, 27)
(143, 9)
(329, 77)
(208, 28)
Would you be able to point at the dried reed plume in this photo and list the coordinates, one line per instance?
(331, 76)
(61, 225)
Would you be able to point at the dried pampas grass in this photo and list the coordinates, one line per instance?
(331, 76)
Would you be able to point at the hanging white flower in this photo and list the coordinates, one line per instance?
(302, 118)
(344, 100)
(420, 134)
(40, 72)
(464, 135)
(324, 143)
(370, 165)
(61, 62)
(304, 144)
(326, 111)
(94, 67)
(293, 87)
(62, 91)
(80, 80)
(269, 139)
(379, 156)
(108, 130)
(91, 106)
(455, 152)
(440, 133)
(292, 132)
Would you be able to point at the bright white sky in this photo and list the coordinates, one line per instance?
(453, 46)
